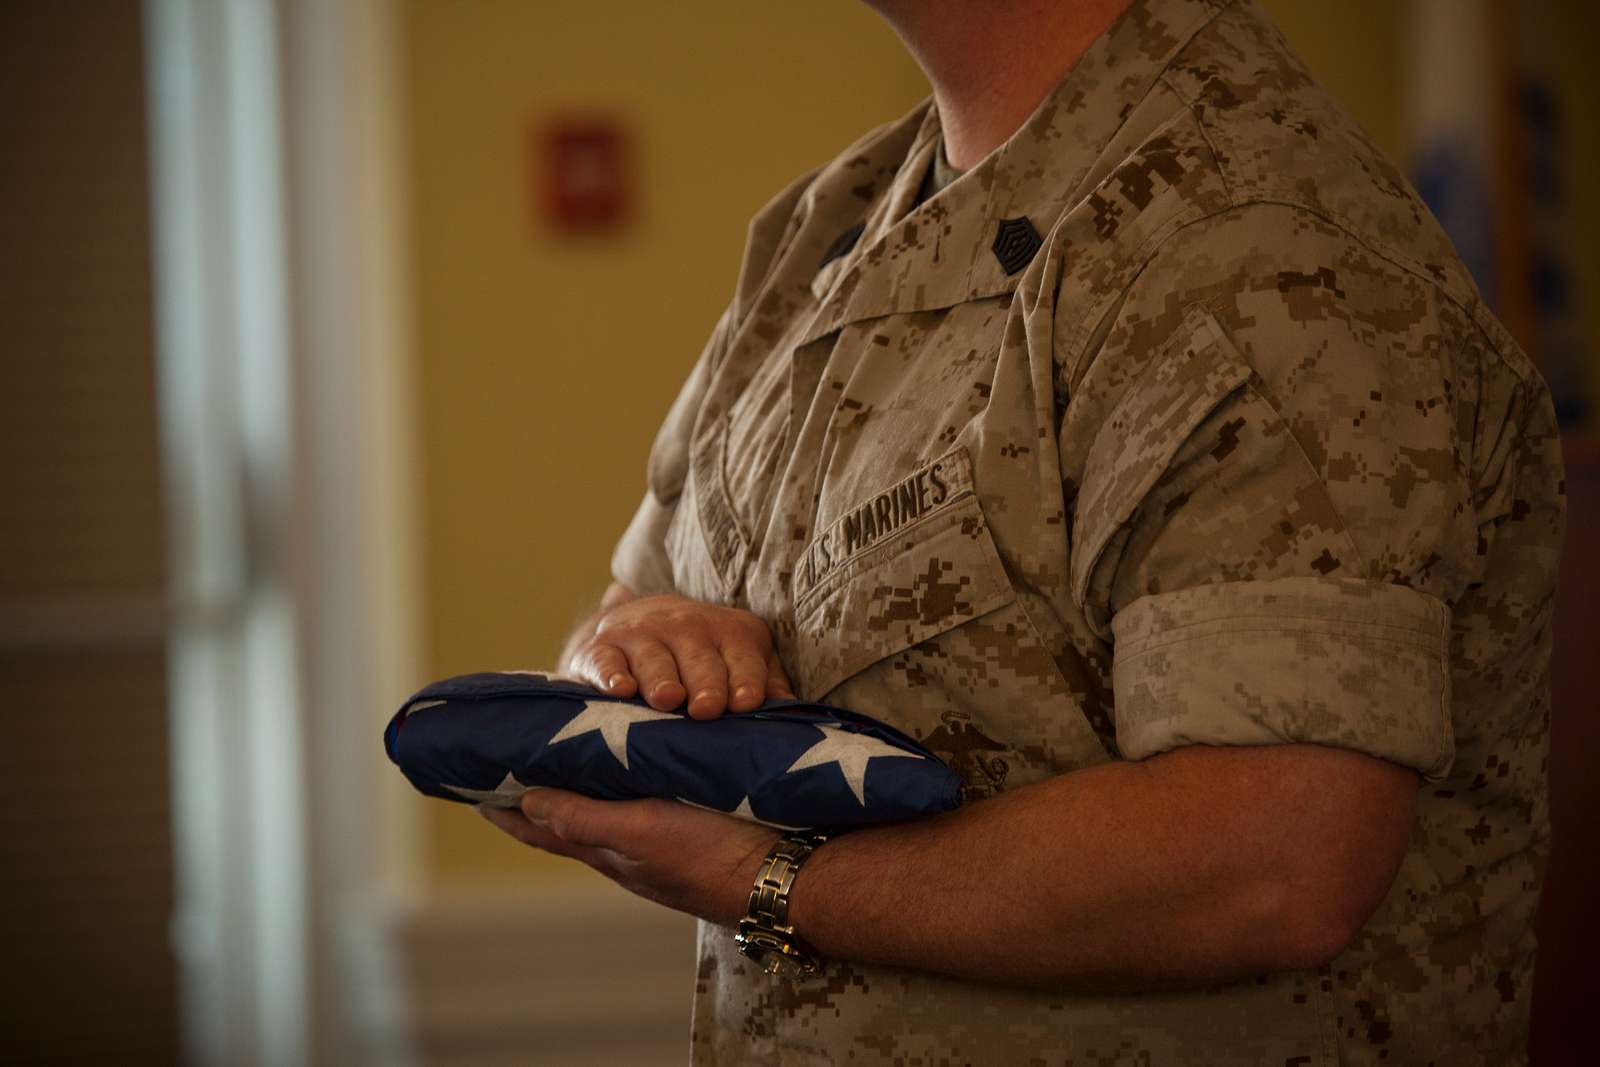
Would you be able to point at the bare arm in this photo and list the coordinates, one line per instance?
(1196, 866)
(1188, 869)
(1192, 867)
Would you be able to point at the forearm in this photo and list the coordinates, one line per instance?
(1163, 874)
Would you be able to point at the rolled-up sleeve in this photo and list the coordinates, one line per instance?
(1340, 662)
(1275, 513)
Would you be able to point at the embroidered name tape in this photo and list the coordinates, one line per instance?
(926, 491)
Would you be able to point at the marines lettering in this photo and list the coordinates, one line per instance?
(914, 497)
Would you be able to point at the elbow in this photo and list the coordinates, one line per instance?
(1316, 925)
(1313, 937)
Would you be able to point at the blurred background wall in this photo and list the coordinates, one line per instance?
(423, 413)
(87, 876)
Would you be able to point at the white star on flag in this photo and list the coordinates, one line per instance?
(508, 794)
(612, 720)
(850, 751)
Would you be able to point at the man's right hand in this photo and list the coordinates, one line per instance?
(669, 648)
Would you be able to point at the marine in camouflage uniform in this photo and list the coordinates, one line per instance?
(1174, 421)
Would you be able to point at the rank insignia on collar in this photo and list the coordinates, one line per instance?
(1015, 243)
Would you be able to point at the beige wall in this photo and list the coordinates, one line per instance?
(546, 363)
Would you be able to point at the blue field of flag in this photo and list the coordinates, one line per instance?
(485, 738)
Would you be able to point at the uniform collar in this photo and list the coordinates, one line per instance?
(944, 252)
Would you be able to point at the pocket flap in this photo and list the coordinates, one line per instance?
(1186, 381)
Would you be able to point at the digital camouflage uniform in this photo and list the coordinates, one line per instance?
(1174, 421)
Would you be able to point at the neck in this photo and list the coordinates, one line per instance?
(991, 62)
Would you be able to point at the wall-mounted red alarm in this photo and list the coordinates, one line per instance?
(585, 173)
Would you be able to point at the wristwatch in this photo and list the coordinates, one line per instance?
(764, 933)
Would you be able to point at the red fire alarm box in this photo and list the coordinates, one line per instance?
(585, 173)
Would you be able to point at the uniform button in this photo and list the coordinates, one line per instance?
(1015, 243)
(843, 244)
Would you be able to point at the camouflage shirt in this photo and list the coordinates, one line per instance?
(1175, 420)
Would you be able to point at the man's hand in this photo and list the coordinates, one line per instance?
(689, 859)
(671, 648)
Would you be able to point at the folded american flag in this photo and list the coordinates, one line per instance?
(485, 738)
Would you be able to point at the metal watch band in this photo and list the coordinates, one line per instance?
(765, 934)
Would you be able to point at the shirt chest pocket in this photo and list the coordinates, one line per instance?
(857, 605)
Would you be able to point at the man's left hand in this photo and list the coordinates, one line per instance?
(689, 859)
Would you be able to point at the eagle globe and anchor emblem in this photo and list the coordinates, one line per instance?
(970, 753)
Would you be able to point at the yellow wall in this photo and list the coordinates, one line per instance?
(546, 363)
